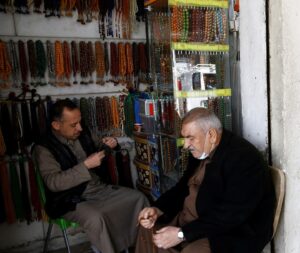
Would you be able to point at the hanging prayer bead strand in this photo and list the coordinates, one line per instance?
(75, 60)
(50, 62)
(5, 66)
(95, 9)
(63, 6)
(90, 60)
(32, 60)
(69, 8)
(225, 26)
(143, 61)
(108, 113)
(106, 58)
(115, 112)
(180, 23)
(59, 63)
(23, 61)
(129, 65)
(80, 10)
(2, 144)
(126, 26)
(100, 64)
(114, 62)
(67, 62)
(175, 23)
(15, 64)
(122, 113)
(83, 61)
(213, 37)
(37, 6)
(41, 62)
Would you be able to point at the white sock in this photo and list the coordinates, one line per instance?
(95, 249)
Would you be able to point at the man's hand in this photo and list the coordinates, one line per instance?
(110, 141)
(148, 216)
(166, 237)
(94, 160)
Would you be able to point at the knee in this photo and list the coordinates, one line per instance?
(93, 221)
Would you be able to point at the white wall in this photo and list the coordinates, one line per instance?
(285, 114)
(253, 72)
(35, 26)
(253, 79)
(284, 41)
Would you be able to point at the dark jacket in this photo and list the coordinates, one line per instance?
(235, 202)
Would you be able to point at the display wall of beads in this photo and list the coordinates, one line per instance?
(23, 121)
(116, 17)
(66, 63)
(160, 51)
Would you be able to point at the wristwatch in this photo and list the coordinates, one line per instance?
(180, 235)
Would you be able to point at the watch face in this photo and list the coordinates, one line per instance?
(180, 235)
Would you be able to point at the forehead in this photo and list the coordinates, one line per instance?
(191, 129)
(71, 115)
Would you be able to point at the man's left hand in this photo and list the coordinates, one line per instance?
(110, 141)
(166, 237)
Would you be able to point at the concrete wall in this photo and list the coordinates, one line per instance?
(253, 72)
(284, 41)
(285, 114)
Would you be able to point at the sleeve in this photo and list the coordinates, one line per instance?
(171, 202)
(55, 178)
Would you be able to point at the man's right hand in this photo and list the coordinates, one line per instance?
(148, 216)
(94, 160)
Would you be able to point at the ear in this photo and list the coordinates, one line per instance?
(213, 135)
(55, 125)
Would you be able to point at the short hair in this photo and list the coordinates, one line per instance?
(58, 107)
(205, 119)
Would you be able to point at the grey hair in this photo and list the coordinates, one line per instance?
(205, 119)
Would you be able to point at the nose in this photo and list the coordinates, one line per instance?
(186, 144)
(79, 128)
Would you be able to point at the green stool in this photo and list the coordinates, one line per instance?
(61, 222)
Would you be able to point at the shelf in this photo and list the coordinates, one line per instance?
(200, 3)
(203, 93)
(199, 47)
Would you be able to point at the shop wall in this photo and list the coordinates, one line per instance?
(285, 114)
(35, 26)
(253, 71)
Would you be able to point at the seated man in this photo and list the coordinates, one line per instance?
(69, 163)
(223, 203)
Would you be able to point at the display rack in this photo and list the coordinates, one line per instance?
(189, 66)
